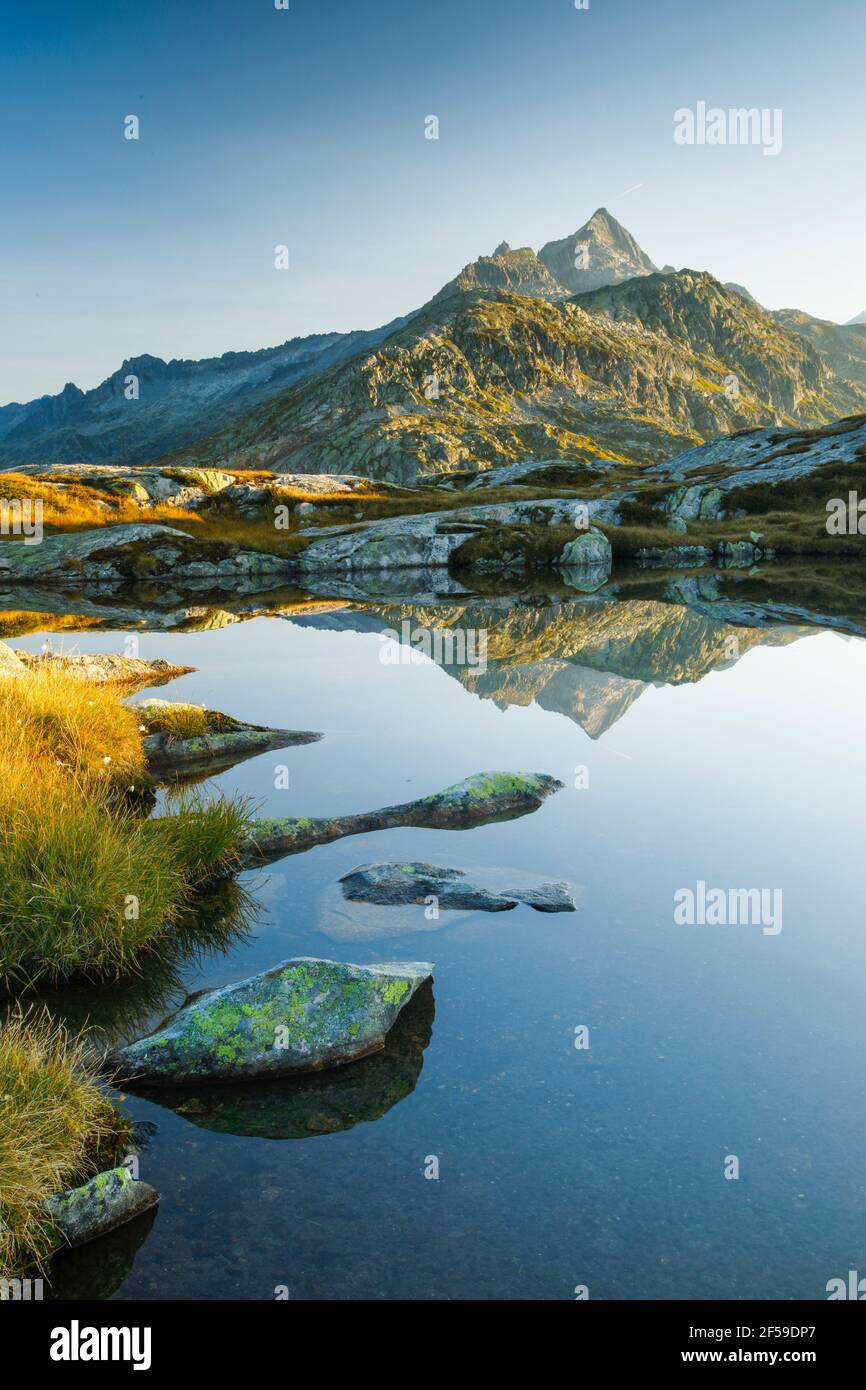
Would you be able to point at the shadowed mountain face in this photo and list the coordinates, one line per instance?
(842, 347)
(177, 403)
(587, 659)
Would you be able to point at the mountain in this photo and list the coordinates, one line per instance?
(520, 357)
(631, 372)
(858, 318)
(179, 402)
(600, 253)
(517, 272)
(741, 290)
(841, 346)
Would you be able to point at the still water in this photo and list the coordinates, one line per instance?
(685, 759)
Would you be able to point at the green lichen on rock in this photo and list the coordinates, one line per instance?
(302, 1016)
(483, 797)
(108, 1200)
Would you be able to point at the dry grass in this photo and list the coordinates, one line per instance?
(180, 721)
(51, 716)
(57, 1129)
(87, 886)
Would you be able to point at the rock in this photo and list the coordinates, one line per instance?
(10, 661)
(405, 884)
(431, 539)
(677, 523)
(98, 1206)
(301, 1016)
(549, 897)
(764, 457)
(108, 668)
(740, 554)
(590, 550)
(142, 1133)
(226, 742)
(134, 551)
(697, 502)
(484, 797)
(325, 1102)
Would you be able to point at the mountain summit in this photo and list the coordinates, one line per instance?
(600, 253)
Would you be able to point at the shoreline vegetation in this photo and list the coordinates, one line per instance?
(57, 1128)
(90, 885)
(95, 889)
(743, 498)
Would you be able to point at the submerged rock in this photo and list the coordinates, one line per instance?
(403, 884)
(301, 1016)
(225, 740)
(484, 797)
(98, 1206)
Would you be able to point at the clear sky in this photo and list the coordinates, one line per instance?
(306, 128)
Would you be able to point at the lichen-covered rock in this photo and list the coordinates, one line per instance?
(224, 740)
(98, 1206)
(324, 1102)
(301, 1016)
(483, 797)
(405, 884)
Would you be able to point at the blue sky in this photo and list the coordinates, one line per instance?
(306, 127)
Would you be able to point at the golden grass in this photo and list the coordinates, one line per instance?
(57, 1128)
(87, 886)
(49, 716)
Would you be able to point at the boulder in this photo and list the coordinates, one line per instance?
(302, 1016)
(120, 554)
(431, 539)
(325, 1102)
(590, 550)
(406, 884)
(10, 661)
(98, 1206)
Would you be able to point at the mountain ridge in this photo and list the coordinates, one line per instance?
(633, 364)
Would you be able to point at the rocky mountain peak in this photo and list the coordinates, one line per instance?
(601, 252)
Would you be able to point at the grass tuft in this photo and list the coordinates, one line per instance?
(57, 1129)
